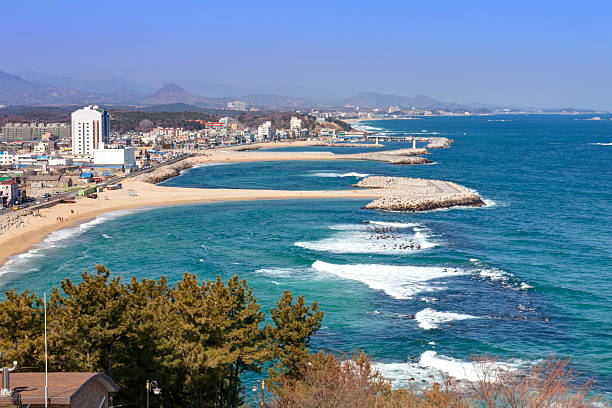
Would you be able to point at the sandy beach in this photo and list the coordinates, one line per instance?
(19, 234)
(35, 227)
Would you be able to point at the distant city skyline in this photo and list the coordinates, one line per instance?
(539, 54)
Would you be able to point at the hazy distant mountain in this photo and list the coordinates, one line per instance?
(17, 91)
(126, 94)
(173, 107)
(171, 93)
(103, 86)
(279, 101)
(376, 100)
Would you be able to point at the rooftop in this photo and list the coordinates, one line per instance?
(29, 388)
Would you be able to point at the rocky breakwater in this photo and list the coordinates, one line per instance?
(412, 194)
(400, 156)
(164, 173)
(439, 143)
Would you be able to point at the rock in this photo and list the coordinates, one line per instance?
(410, 194)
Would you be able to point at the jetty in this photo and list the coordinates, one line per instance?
(414, 194)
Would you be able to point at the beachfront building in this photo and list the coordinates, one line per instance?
(9, 193)
(90, 130)
(125, 158)
(264, 131)
(295, 123)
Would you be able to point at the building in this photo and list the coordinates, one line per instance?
(7, 158)
(264, 131)
(74, 390)
(237, 105)
(295, 123)
(90, 130)
(27, 132)
(115, 157)
(9, 193)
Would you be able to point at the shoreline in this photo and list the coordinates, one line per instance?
(28, 229)
(38, 225)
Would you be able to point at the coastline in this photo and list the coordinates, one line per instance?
(43, 222)
(31, 228)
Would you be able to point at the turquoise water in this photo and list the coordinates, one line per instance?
(523, 278)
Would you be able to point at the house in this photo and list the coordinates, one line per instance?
(72, 389)
(40, 181)
(9, 193)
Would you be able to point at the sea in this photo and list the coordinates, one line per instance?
(524, 278)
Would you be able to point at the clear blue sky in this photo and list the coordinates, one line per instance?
(530, 53)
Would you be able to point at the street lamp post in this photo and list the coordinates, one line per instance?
(152, 385)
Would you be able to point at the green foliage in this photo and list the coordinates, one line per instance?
(294, 325)
(195, 339)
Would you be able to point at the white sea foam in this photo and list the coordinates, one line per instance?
(334, 175)
(19, 262)
(399, 282)
(199, 165)
(368, 239)
(276, 272)
(431, 364)
(395, 224)
(431, 319)
(601, 144)
(499, 275)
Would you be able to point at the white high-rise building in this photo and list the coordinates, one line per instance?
(90, 130)
(295, 123)
(264, 131)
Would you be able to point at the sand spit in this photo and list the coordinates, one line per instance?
(411, 194)
(232, 155)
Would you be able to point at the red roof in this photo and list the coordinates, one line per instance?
(29, 388)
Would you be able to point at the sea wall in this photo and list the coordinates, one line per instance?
(164, 173)
(410, 194)
(439, 143)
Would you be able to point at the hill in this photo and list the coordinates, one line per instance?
(169, 94)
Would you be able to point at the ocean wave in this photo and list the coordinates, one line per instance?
(431, 319)
(431, 364)
(18, 263)
(394, 224)
(399, 282)
(372, 239)
(600, 144)
(499, 275)
(276, 272)
(333, 175)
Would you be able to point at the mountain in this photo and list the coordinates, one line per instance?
(279, 101)
(169, 94)
(126, 94)
(15, 90)
(103, 86)
(376, 100)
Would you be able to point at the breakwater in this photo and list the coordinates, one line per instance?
(412, 194)
(399, 156)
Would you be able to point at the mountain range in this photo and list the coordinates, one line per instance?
(39, 89)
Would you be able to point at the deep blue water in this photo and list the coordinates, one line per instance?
(529, 275)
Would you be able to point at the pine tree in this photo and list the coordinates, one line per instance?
(294, 326)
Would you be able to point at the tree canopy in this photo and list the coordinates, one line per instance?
(194, 338)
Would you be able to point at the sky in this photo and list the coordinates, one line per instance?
(518, 53)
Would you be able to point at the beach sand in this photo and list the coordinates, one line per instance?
(35, 227)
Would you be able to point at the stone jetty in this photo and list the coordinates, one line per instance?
(164, 173)
(399, 156)
(412, 194)
(439, 143)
